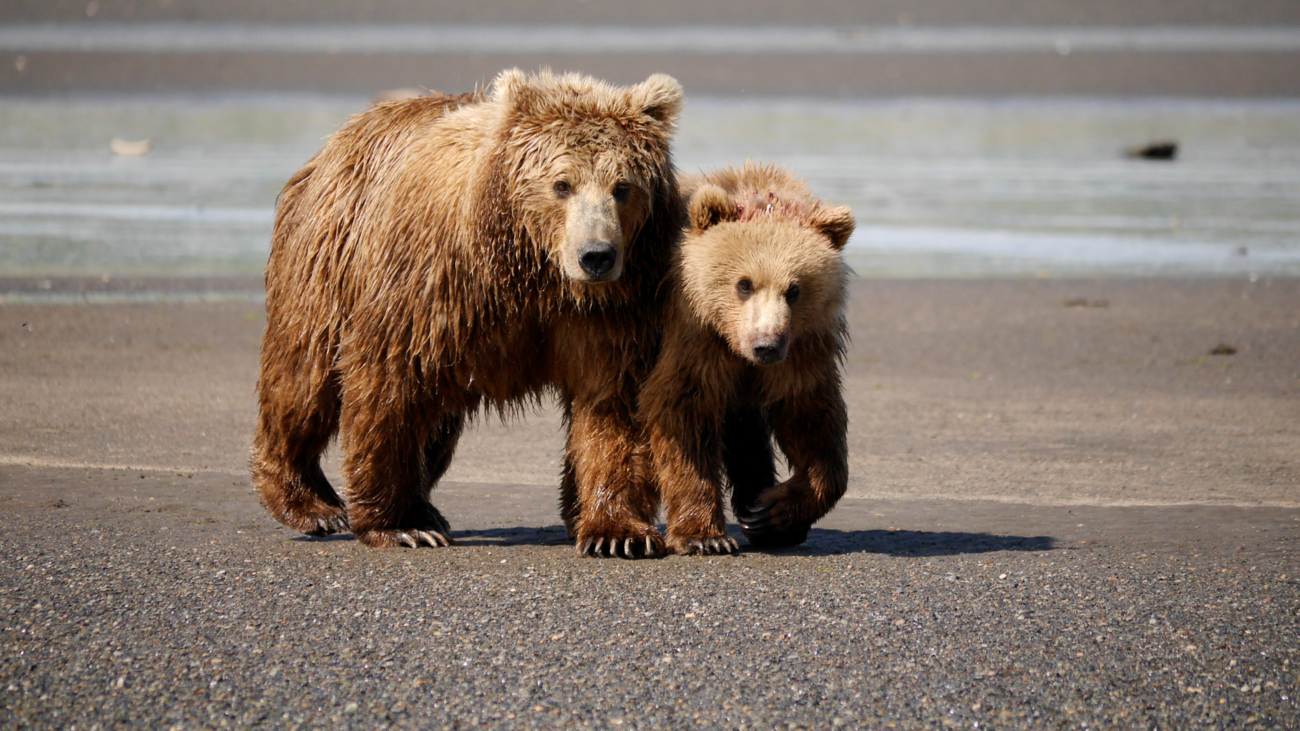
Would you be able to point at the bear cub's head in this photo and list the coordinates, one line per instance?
(760, 263)
(588, 163)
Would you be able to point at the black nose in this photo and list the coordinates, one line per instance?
(769, 354)
(597, 259)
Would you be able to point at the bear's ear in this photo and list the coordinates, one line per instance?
(835, 224)
(709, 206)
(512, 90)
(659, 97)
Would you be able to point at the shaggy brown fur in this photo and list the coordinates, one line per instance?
(753, 337)
(450, 253)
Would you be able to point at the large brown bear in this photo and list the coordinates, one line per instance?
(754, 335)
(447, 254)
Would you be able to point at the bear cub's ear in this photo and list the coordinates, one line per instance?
(709, 206)
(508, 86)
(835, 224)
(659, 97)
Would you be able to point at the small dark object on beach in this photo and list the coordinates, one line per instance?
(1164, 150)
(1222, 349)
(1085, 302)
(1241, 251)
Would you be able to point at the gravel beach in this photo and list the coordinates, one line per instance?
(1064, 512)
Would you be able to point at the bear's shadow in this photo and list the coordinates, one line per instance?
(821, 541)
(914, 543)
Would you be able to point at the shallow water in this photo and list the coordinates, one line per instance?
(940, 188)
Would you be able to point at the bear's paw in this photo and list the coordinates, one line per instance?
(409, 538)
(775, 521)
(715, 546)
(314, 518)
(629, 543)
(423, 525)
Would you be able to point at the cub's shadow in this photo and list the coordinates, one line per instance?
(821, 541)
(917, 543)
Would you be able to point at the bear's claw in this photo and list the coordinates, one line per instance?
(613, 548)
(416, 538)
(410, 538)
(764, 527)
(322, 521)
(710, 546)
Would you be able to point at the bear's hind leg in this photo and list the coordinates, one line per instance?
(292, 434)
(570, 508)
(390, 457)
(438, 450)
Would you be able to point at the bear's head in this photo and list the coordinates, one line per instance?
(587, 163)
(762, 267)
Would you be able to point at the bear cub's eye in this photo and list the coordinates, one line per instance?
(622, 191)
(562, 188)
(744, 288)
(792, 294)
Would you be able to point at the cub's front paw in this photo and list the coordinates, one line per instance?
(628, 543)
(710, 546)
(771, 522)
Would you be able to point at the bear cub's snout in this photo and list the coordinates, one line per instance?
(771, 350)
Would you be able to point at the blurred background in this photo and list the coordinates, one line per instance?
(148, 138)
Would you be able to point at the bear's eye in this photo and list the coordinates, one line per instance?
(744, 288)
(562, 188)
(792, 294)
(622, 191)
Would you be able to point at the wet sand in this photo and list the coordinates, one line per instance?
(1042, 392)
(1048, 73)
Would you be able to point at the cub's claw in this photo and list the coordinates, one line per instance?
(417, 538)
(711, 546)
(433, 538)
(764, 527)
(630, 547)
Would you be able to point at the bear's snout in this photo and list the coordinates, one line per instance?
(771, 350)
(597, 259)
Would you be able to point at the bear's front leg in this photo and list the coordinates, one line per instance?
(387, 444)
(812, 430)
(615, 504)
(747, 455)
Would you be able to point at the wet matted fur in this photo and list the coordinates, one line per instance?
(754, 335)
(428, 263)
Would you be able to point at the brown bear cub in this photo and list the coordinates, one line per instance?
(448, 254)
(753, 337)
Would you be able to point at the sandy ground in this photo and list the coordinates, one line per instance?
(1037, 392)
(1064, 512)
